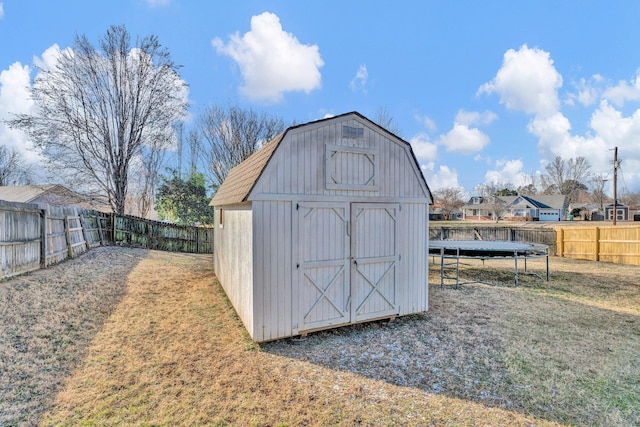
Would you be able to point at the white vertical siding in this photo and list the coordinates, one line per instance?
(233, 262)
(272, 270)
(298, 166)
(413, 231)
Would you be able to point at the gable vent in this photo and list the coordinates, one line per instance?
(351, 132)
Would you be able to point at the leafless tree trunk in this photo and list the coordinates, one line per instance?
(231, 134)
(598, 195)
(98, 108)
(13, 170)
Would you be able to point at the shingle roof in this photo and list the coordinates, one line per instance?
(23, 193)
(241, 179)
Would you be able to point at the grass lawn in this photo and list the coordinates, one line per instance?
(134, 337)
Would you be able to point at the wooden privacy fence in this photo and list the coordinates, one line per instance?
(616, 244)
(545, 236)
(162, 236)
(33, 237)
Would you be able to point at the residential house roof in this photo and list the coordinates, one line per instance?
(27, 193)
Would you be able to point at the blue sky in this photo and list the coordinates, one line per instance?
(484, 90)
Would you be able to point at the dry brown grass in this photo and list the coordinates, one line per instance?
(169, 350)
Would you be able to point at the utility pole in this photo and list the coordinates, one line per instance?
(615, 184)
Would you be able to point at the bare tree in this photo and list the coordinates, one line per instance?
(567, 177)
(13, 170)
(598, 195)
(231, 134)
(384, 118)
(449, 199)
(98, 107)
(529, 185)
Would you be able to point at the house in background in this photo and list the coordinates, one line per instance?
(536, 208)
(478, 207)
(517, 208)
(325, 225)
(622, 212)
(53, 194)
(58, 195)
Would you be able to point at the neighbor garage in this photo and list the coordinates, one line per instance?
(325, 225)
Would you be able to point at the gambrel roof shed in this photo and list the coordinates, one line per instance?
(325, 225)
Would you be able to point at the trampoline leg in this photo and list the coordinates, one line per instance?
(547, 267)
(442, 268)
(515, 258)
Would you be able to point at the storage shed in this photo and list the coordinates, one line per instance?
(325, 225)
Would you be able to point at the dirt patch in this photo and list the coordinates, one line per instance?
(173, 352)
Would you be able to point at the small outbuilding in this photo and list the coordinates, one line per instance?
(325, 225)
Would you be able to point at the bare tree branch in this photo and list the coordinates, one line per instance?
(97, 109)
(231, 134)
(13, 170)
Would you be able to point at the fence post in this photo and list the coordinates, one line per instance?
(560, 241)
(99, 221)
(83, 224)
(113, 227)
(43, 236)
(597, 244)
(67, 235)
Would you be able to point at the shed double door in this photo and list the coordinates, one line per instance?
(348, 260)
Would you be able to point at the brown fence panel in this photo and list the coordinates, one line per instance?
(20, 230)
(616, 244)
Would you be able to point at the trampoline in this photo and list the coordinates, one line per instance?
(451, 251)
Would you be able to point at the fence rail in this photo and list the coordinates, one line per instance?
(33, 236)
(616, 244)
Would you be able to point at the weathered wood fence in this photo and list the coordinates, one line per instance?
(618, 244)
(545, 236)
(33, 237)
(134, 231)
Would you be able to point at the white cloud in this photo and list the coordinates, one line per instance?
(426, 122)
(359, 81)
(470, 118)
(609, 129)
(463, 139)
(509, 172)
(271, 60)
(624, 91)
(49, 58)
(423, 148)
(588, 91)
(1, 10)
(15, 99)
(527, 81)
(444, 177)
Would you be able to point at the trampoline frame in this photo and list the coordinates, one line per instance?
(455, 250)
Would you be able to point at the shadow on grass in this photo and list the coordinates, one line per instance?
(49, 317)
(518, 349)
